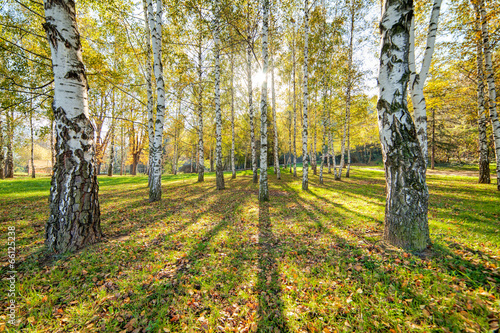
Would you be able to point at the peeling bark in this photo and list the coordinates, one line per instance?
(156, 146)
(406, 222)
(74, 206)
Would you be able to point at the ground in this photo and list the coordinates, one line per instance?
(207, 260)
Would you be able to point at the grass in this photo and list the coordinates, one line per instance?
(203, 260)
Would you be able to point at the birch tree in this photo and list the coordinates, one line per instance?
(155, 146)
(219, 172)
(484, 162)
(294, 102)
(490, 79)
(406, 222)
(263, 185)
(417, 80)
(149, 86)
(305, 161)
(249, 42)
(2, 156)
(233, 167)
(74, 219)
(277, 170)
(201, 146)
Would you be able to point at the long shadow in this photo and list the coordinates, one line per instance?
(175, 275)
(268, 285)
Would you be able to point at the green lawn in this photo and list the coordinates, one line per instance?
(203, 260)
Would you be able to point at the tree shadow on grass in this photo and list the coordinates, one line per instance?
(268, 285)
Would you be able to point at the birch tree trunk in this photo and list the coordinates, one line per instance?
(417, 81)
(122, 152)
(406, 223)
(155, 25)
(433, 140)
(211, 159)
(277, 170)
(233, 167)
(305, 161)
(250, 111)
(484, 163)
(2, 156)
(9, 161)
(112, 148)
(112, 153)
(52, 146)
(74, 219)
(219, 172)
(201, 145)
(490, 78)
(294, 107)
(32, 156)
(149, 88)
(263, 186)
(323, 150)
(290, 129)
(345, 136)
(329, 153)
(349, 91)
(348, 146)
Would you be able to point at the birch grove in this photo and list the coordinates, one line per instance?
(184, 75)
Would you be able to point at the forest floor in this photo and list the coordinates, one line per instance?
(214, 261)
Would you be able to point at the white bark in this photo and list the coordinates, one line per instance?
(277, 170)
(233, 167)
(263, 185)
(305, 158)
(201, 145)
(219, 172)
(484, 163)
(290, 129)
(250, 111)
(155, 25)
(417, 80)
(490, 78)
(406, 222)
(74, 219)
(294, 107)
(149, 86)
(2, 156)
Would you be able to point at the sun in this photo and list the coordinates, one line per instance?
(258, 78)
